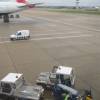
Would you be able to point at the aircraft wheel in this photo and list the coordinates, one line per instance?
(11, 16)
(17, 16)
(0, 17)
(6, 18)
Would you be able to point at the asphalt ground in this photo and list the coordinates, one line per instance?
(56, 39)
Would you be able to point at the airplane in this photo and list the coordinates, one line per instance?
(8, 7)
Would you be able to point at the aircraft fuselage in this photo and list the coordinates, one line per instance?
(10, 7)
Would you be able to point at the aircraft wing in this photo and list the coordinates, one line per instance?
(32, 5)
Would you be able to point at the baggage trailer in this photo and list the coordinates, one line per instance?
(14, 86)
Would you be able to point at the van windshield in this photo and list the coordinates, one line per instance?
(18, 33)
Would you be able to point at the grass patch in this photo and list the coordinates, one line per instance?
(79, 11)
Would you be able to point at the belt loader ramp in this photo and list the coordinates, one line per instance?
(63, 92)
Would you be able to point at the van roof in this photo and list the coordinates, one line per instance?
(11, 77)
(23, 31)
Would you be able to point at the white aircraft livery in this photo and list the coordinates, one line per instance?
(9, 7)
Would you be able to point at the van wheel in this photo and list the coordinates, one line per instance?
(12, 39)
(25, 38)
(28, 37)
(22, 38)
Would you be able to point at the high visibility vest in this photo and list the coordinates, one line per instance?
(88, 98)
(66, 97)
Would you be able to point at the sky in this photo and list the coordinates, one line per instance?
(71, 2)
(66, 2)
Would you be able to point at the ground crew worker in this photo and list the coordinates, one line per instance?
(67, 97)
(88, 95)
(89, 98)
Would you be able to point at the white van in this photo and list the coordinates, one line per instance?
(20, 35)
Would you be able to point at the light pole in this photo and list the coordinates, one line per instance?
(77, 3)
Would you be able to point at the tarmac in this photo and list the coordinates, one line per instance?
(56, 39)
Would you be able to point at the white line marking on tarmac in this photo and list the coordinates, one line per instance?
(51, 38)
(44, 34)
(3, 37)
(65, 23)
(5, 42)
(65, 37)
(52, 34)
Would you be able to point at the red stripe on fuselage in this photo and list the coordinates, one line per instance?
(21, 1)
